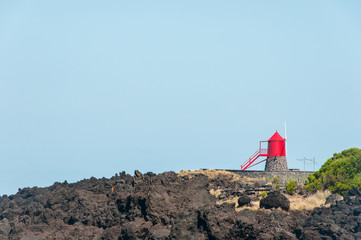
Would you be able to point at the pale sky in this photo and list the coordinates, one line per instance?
(92, 88)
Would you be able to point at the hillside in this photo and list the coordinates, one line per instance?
(188, 205)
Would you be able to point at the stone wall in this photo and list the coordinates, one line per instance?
(276, 164)
(283, 176)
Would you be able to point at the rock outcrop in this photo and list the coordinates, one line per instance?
(333, 198)
(342, 220)
(166, 206)
(275, 200)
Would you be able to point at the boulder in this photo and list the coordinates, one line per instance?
(275, 200)
(138, 174)
(243, 200)
(333, 198)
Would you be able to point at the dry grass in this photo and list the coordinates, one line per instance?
(211, 174)
(254, 206)
(215, 193)
(230, 200)
(254, 179)
(298, 202)
(315, 200)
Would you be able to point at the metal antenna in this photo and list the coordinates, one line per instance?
(304, 165)
(314, 163)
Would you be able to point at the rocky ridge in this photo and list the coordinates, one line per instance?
(164, 206)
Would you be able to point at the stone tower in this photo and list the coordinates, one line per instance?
(276, 159)
(275, 153)
(275, 164)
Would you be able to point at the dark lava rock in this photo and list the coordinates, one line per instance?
(333, 198)
(275, 200)
(222, 222)
(122, 207)
(339, 221)
(354, 192)
(5, 227)
(243, 200)
(357, 211)
(138, 174)
(165, 207)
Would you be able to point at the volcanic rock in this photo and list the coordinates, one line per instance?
(275, 200)
(165, 207)
(333, 198)
(243, 200)
(4, 227)
(339, 221)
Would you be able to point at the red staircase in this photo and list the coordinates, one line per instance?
(261, 152)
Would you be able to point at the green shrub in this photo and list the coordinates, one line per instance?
(338, 174)
(263, 194)
(275, 180)
(290, 187)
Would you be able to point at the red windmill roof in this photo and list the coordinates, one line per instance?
(276, 137)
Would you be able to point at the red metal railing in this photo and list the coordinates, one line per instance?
(264, 152)
(261, 152)
(253, 158)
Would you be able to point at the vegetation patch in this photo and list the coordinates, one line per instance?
(338, 174)
(291, 187)
(299, 202)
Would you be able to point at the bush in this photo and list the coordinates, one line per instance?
(263, 194)
(338, 174)
(290, 187)
(275, 180)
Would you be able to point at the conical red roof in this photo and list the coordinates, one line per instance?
(276, 137)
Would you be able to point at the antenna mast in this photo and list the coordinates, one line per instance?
(304, 164)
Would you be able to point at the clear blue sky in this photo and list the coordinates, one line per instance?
(91, 88)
